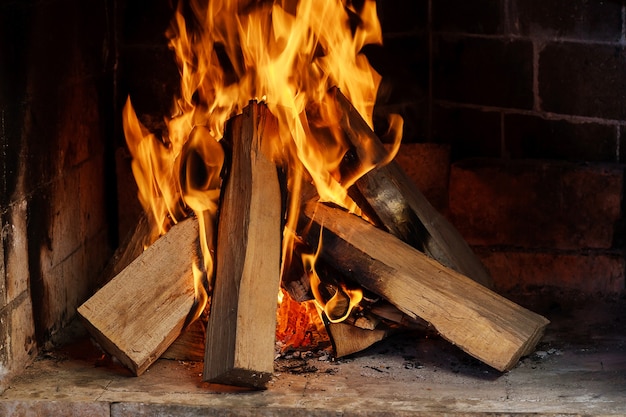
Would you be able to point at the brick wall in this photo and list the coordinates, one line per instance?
(529, 97)
(55, 119)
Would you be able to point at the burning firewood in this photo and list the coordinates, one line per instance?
(138, 314)
(348, 338)
(477, 320)
(387, 194)
(242, 321)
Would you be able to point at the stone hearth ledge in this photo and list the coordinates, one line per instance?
(578, 369)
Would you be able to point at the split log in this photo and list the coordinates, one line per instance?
(388, 195)
(480, 322)
(189, 346)
(348, 339)
(242, 322)
(138, 314)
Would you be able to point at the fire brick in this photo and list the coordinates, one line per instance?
(564, 73)
(580, 19)
(591, 273)
(535, 137)
(536, 204)
(471, 133)
(428, 165)
(479, 17)
(482, 71)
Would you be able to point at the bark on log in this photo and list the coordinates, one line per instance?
(242, 322)
(140, 312)
(389, 195)
(477, 320)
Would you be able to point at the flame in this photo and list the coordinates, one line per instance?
(288, 53)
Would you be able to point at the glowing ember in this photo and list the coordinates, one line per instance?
(286, 53)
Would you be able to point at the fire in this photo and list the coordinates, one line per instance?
(287, 53)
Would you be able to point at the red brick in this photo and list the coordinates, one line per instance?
(534, 204)
(428, 165)
(593, 273)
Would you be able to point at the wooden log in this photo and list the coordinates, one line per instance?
(189, 346)
(477, 320)
(242, 322)
(347, 339)
(388, 195)
(138, 314)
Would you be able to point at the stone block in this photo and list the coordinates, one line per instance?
(479, 17)
(591, 273)
(536, 204)
(11, 163)
(471, 133)
(44, 407)
(622, 144)
(483, 71)
(93, 206)
(65, 227)
(17, 340)
(428, 165)
(128, 206)
(5, 362)
(577, 19)
(533, 137)
(23, 348)
(15, 251)
(583, 79)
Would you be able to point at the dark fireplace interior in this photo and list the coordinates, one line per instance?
(515, 119)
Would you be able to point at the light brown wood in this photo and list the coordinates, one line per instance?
(388, 195)
(477, 320)
(348, 339)
(139, 313)
(242, 322)
(189, 346)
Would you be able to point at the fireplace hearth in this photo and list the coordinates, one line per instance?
(514, 125)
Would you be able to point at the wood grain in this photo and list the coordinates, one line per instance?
(476, 319)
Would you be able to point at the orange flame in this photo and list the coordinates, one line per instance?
(288, 53)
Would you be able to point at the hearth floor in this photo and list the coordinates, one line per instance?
(579, 368)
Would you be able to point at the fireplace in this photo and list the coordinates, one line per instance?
(514, 119)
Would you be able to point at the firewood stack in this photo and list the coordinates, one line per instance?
(412, 265)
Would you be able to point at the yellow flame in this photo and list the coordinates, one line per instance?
(287, 52)
(340, 304)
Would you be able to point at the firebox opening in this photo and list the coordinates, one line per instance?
(513, 126)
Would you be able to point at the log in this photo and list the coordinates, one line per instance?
(189, 346)
(347, 339)
(388, 195)
(242, 322)
(138, 314)
(479, 321)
